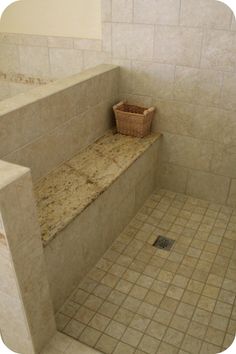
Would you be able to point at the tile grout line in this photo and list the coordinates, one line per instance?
(166, 260)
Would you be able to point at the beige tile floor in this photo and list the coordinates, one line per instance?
(63, 344)
(139, 299)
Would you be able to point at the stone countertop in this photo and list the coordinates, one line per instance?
(70, 188)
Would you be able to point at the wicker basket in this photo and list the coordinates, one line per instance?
(133, 120)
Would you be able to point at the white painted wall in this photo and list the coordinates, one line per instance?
(67, 18)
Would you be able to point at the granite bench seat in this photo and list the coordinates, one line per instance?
(69, 189)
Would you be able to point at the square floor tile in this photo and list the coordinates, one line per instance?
(191, 344)
(180, 323)
(102, 291)
(175, 292)
(206, 303)
(214, 336)
(124, 286)
(153, 298)
(140, 323)
(173, 337)
(185, 310)
(163, 316)
(132, 337)
(84, 315)
(124, 316)
(156, 330)
(116, 297)
(99, 322)
(90, 336)
(197, 330)
(93, 302)
(124, 348)
(150, 301)
(202, 316)
(169, 304)
(106, 344)
(131, 303)
(208, 348)
(146, 310)
(74, 328)
(115, 329)
(149, 344)
(70, 309)
(108, 309)
(165, 348)
(138, 292)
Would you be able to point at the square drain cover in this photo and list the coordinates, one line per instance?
(163, 243)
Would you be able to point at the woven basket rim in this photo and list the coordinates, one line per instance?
(124, 104)
(131, 113)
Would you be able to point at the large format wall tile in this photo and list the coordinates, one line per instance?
(233, 24)
(122, 11)
(10, 38)
(214, 124)
(60, 42)
(205, 13)
(65, 62)
(4, 90)
(92, 58)
(33, 40)
(106, 10)
(232, 194)
(228, 98)
(205, 123)
(175, 117)
(87, 44)
(219, 50)
(49, 128)
(153, 79)
(178, 183)
(187, 151)
(125, 85)
(9, 58)
(165, 12)
(106, 38)
(197, 85)
(25, 288)
(178, 45)
(208, 186)
(34, 61)
(43, 154)
(18, 127)
(132, 41)
(224, 161)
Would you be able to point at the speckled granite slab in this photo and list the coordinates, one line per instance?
(70, 188)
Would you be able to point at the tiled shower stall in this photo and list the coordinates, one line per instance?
(78, 222)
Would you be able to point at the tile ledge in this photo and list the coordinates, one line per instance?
(69, 189)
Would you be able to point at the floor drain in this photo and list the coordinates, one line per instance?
(164, 243)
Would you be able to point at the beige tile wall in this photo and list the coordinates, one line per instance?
(27, 321)
(48, 125)
(48, 57)
(10, 89)
(178, 55)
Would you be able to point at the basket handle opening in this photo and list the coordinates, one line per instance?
(118, 105)
(149, 110)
